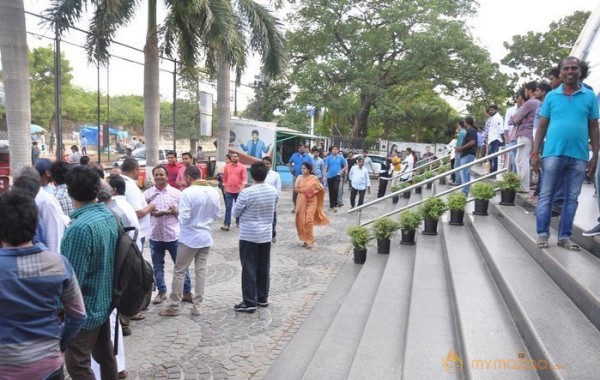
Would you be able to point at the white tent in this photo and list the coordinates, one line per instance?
(587, 48)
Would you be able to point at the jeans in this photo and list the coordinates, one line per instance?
(458, 175)
(597, 184)
(229, 198)
(157, 251)
(333, 184)
(185, 256)
(560, 173)
(256, 262)
(512, 155)
(361, 196)
(466, 172)
(522, 161)
(87, 344)
(493, 148)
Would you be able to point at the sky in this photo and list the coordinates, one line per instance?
(496, 22)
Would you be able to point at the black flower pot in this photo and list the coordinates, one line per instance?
(481, 207)
(443, 181)
(395, 199)
(408, 237)
(418, 190)
(383, 246)
(430, 227)
(428, 186)
(360, 256)
(457, 217)
(507, 197)
(406, 194)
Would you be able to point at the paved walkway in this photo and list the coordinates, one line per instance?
(223, 344)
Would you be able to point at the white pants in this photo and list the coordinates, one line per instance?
(120, 355)
(522, 161)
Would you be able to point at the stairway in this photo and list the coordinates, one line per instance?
(478, 301)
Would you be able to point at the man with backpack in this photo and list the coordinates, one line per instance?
(90, 245)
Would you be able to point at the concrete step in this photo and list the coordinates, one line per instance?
(333, 358)
(381, 349)
(552, 327)
(577, 273)
(485, 328)
(300, 350)
(430, 329)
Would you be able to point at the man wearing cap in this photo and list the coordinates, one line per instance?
(493, 135)
(43, 168)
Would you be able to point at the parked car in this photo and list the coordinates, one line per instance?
(140, 155)
(377, 161)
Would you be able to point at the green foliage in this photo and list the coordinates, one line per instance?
(510, 182)
(429, 174)
(409, 220)
(483, 191)
(418, 178)
(359, 236)
(533, 54)
(383, 228)
(432, 208)
(457, 201)
(397, 187)
(268, 99)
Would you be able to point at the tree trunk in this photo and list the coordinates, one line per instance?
(223, 108)
(361, 120)
(15, 67)
(151, 89)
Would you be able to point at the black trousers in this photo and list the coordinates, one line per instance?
(382, 187)
(333, 184)
(361, 196)
(256, 262)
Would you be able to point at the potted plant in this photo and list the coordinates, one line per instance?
(416, 179)
(457, 202)
(395, 197)
(360, 237)
(431, 210)
(482, 193)
(409, 222)
(509, 184)
(428, 175)
(383, 229)
(443, 169)
(405, 194)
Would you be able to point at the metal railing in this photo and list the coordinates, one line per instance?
(414, 169)
(433, 179)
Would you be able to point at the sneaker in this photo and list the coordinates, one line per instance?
(454, 184)
(263, 304)
(225, 228)
(161, 296)
(241, 307)
(340, 205)
(195, 311)
(593, 232)
(126, 330)
(168, 312)
(188, 297)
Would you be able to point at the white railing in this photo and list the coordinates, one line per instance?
(414, 169)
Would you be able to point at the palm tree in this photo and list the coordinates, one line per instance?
(15, 66)
(265, 37)
(185, 24)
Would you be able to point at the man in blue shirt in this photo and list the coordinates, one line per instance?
(255, 147)
(295, 164)
(335, 164)
(568, 120)
(318, 164)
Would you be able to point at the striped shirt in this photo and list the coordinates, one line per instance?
(163, 228)
(255, 207)
(90, 244)
(31, 337)
(62, 196)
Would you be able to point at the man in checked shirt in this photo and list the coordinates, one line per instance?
(164, 231)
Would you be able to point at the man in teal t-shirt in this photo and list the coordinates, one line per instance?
(568, 122)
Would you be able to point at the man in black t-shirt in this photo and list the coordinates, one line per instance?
(467, 151)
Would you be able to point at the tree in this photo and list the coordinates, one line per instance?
(268, 98)
(363, 48)
(533, 54)
(41, 74)
(13, 49)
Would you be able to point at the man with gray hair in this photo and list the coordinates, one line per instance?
(27, 179)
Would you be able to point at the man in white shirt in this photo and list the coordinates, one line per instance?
(27, 179)
(359, 177)
(274, 180)
(129, 217)
(130, 171)
(199, 206)
(494, 137)
(407, 166)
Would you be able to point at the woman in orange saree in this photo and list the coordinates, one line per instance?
(309, 205)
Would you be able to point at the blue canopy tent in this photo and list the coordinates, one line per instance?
(91, 133)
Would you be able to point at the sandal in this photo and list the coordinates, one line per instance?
(568, 244)
(542, 242)
(138, 317)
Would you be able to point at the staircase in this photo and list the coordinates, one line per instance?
(477, 301)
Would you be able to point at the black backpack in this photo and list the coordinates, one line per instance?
(133, 278)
